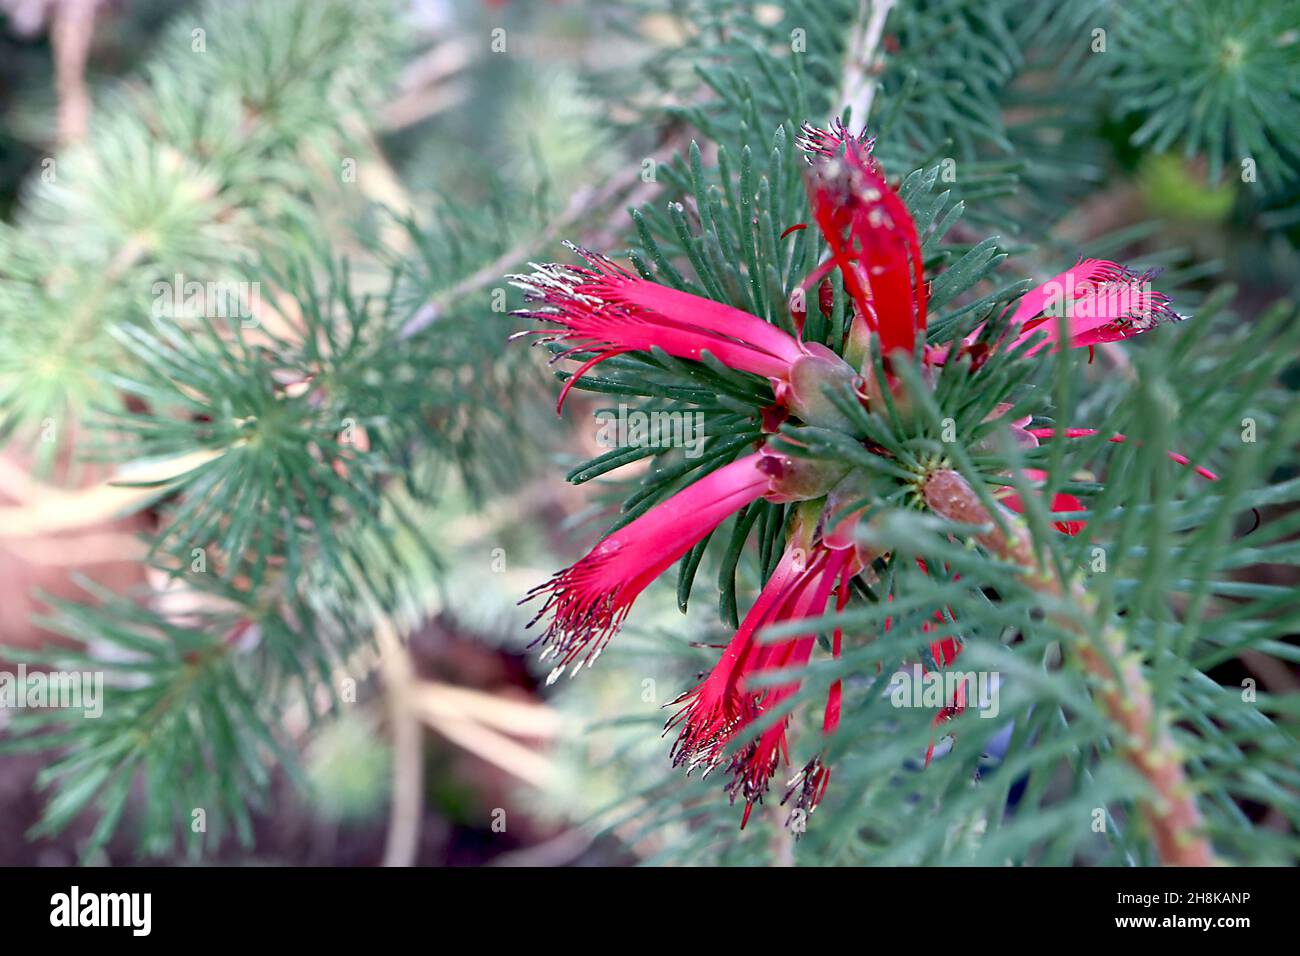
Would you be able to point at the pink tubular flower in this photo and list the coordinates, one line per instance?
(717, 711)
(589, 601)
(872, 237)
(604, 309)
(1102, 302)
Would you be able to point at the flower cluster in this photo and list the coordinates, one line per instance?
(599, 310)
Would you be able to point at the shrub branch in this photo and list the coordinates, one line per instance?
(1123, 692)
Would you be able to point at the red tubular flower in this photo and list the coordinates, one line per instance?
(944, 651)
(875, 246)
(955, 709)
(1061, 502)
(717, 711)
(589, 601)
(719, 706)
(753, 768)
(872, 237)
(604, 309)
(608, 311)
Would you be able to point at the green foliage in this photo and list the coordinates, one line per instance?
(302, 413)
(1217, 78)
(183, 175)
(181, 712)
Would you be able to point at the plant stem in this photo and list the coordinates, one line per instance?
(861, 68)
(1123, 692)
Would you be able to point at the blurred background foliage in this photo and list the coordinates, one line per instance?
(378, 168)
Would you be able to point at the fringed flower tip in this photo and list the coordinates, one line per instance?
(828, 143)
(810, 784)
(755, 766)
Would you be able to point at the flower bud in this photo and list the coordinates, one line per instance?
(812, 376)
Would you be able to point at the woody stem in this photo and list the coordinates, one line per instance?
(1121, 689)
